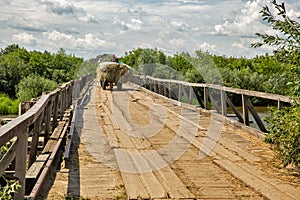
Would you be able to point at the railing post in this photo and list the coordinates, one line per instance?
(20, 164)
(245, 109)
(279, 104)
(223, 102)
(191, 95)
(165, 89)
(35, 139)
(180, 92)
(150, 84)
(55, 111)
(170, 89)
(62, 103)
(48, 114)
(206, 98)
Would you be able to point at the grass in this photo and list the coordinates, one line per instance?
(8, 106)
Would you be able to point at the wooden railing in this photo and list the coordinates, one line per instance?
(41, 119)
(210, 94)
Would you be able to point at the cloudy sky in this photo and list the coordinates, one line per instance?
(91, 27)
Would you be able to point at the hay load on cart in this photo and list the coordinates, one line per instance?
(113, 73)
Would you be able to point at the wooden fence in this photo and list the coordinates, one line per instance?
(210, 96)
(40, 120)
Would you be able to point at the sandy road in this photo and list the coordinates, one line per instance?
(137, 145)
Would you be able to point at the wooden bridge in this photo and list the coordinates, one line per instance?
(147, 141)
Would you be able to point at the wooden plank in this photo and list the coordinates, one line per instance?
(267, 189)
(240, 151)
(53, 138)
(35, 169)
(134, 187)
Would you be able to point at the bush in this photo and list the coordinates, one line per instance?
(8, 106)
(33, 86)
(284, 127)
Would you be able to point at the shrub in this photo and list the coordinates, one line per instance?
(284, 127)
(33, 86)
(8, 106)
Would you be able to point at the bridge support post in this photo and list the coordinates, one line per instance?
(180, 92)
(191, 95)
(165, 89)
(170, 89)
(279, 104)
(245, 109)
(20, 165)
(223, 102)
(206, 98)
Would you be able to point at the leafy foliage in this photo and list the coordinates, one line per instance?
(33, 86)
(288, 42)
(9, 189)
(284, 127)
(284, 124)
(17, 63)
(11, 186)
(18, 67)
(8, 106)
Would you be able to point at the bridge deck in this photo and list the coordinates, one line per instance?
(134, 144)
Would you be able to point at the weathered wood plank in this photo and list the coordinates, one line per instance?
(35, 169)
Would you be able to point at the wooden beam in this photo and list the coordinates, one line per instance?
(35, 140)
(170, 89)
(191, 95)
(223, 102)
(20, 165)
(236, 112)
(245, 110)
(206, 98)
(179, 92)
(256, 116)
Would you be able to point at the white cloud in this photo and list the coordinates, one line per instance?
(247, 22)
(179, 25)
(24, 38)
(89, 41)
(208, 47)
(174, 25)
(132, 24)
(65, 8)
(177, 42)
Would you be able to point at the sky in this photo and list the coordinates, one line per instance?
(88, 28)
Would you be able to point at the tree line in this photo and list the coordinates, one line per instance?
(26, 74)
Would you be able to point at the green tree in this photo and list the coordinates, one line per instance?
(33, 86)
(284, 124)
(288, 42)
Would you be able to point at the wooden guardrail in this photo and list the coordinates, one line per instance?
(41, 119)
(215, 95)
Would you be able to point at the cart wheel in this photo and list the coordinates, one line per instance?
(119, 86)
